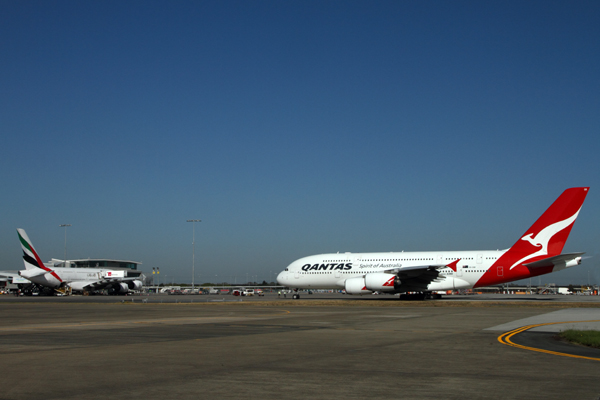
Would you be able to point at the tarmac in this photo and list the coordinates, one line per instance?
(321, 347)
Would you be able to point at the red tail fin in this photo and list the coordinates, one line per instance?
(548, 235)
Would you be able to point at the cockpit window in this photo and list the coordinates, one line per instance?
(286, 269)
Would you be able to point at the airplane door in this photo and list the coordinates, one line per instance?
(297, 275)
(500, 271)
(459, 270)
(479, 258)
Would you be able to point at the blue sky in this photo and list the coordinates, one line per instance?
(294, 128)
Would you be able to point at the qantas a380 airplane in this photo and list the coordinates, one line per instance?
(78, 279)
(537, 252)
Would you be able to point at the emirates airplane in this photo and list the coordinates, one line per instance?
(78, 279)
(418, 274)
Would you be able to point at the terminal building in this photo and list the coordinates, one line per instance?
(130, 267)
(101, 263)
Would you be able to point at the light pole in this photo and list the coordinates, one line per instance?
(65, 226)
(193, 221)
(157, 272)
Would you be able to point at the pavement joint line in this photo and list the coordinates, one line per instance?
(113, 323)
(505, 339)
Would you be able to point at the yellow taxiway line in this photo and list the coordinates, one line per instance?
(505, 339)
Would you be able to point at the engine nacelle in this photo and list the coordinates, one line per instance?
(573, 262)
(356, 286)
(77, 286)
(121, 288)
(381, 282)
(134, 285)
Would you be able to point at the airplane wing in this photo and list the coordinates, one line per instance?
(16, 277)
(100, 284)
(417, 278)
(107, 282)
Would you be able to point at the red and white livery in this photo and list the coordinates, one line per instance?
(537, 252)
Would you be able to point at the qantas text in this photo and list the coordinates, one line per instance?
(326, 267)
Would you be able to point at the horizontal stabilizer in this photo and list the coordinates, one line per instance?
(31, 273)
(552, 261)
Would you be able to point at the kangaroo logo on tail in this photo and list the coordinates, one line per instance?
(543, 237)
(548, 235)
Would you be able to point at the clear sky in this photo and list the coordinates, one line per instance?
(294, 128)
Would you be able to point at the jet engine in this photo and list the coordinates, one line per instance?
(134, 285)
(381, 282)
(356, 286)
(121, 288)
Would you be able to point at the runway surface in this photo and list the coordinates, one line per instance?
(164, 298)
(270, 350)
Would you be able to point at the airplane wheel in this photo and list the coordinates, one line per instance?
(413, 296)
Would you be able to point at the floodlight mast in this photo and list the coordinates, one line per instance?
(193, 221)
(65, 226)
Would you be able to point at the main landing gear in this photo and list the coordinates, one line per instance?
(33, 289)
(420, 296)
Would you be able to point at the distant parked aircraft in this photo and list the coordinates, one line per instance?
(78, 279)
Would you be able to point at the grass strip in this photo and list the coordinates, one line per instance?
(586, 338)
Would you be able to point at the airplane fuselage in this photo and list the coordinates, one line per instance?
(472, 269)
(70, 276)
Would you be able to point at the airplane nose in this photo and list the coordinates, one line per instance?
(281, 278)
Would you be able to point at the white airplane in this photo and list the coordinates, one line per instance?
(78, 279)
(537, 252)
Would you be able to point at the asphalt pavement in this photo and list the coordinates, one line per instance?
(274, 348)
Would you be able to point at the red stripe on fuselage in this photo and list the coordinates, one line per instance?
(42, 266)
(492, 277)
